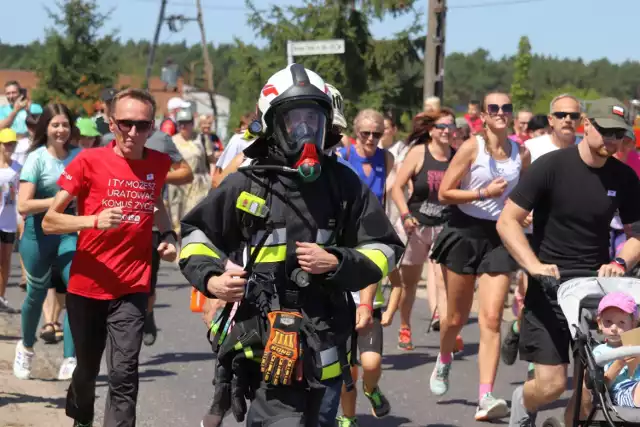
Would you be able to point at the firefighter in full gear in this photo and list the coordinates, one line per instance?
(310, 233)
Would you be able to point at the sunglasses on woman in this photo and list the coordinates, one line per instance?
(366, 134)
(495, 108)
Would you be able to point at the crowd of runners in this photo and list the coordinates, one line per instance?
(484, 203)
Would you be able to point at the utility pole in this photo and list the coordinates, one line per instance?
(208, 66)
(152, 51)
(434, 49)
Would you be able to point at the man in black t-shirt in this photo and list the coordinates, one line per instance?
(574, 194)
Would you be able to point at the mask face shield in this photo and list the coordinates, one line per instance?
(301, 124)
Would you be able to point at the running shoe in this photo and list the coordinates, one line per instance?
(509, 347)
(379, 404)
(343, 421)
(22, 362)
(79, 424)
(439, 381)
(491, 408)
(459, 345)
(435, 324)
(520, 417)
(150, 331)
(66, 369)
(5, 307)
(404, 339)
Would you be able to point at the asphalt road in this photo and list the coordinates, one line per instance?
(176, 372)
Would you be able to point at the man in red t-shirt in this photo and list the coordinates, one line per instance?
(118, 190)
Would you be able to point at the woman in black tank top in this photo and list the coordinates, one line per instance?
(422, 216)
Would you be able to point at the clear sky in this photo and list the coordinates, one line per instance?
(590, 29)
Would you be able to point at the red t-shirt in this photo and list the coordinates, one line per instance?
(115, 262)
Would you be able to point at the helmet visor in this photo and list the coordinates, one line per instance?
(302, 124)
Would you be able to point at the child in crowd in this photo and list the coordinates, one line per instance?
(618, 313)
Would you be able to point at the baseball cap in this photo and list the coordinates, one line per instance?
(338, 107)
(184, 115)
(609, 113)
(176, 103)
(87, 127)
(8, 135)
(108, 94)
(621, 301)
(35, 109)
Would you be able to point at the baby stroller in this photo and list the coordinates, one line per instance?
(579, 298)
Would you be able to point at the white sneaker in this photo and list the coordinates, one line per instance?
(67, 368)
(22, 362)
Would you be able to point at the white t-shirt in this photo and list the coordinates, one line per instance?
(20, 153)
(9, 180)
(236, 145)
(538, 147)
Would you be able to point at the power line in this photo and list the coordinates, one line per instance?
(222, 8)
(494, 3)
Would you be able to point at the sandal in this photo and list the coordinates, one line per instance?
(59, 331)
(48, 333)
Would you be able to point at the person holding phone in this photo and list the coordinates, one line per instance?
(14, 114)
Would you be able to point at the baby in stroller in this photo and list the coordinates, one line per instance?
(607, 394)
(618, 313)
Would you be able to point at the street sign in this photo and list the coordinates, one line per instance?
(314, 47)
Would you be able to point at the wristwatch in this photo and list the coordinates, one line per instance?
(621, 262)
(171, 233)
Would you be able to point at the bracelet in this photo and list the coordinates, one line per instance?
(405, 216)
(480, 196)
(366, 305)
(95, 223)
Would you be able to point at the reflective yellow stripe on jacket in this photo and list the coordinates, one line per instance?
(197, 243)
(381, 255)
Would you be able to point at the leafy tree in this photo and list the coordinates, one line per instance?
(521, 93)
(75, 63)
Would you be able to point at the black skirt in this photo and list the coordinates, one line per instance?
(469, 245)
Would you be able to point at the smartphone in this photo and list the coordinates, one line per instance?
(23, 93)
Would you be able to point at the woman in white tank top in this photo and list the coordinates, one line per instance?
(478, 181)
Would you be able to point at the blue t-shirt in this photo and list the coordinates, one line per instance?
(624, 377)
(376, 180)
(19, 124)
(43, 170)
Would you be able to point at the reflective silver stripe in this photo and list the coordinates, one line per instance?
(277, 237)
(329, 356)
(197, 236)
(386, 250)
(323, 236)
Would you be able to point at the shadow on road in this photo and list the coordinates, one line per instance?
(160, 359)
(406, 361)
(19, 398)
(174, 286)
(388, 421)
(464, 402)
(145, 376)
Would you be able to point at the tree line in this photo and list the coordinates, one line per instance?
(74, 61)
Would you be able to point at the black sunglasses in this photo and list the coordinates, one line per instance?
(443, 126)
(562, 114)
(609, 133)
(127, 125)
(495, 108)
(367, 134)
